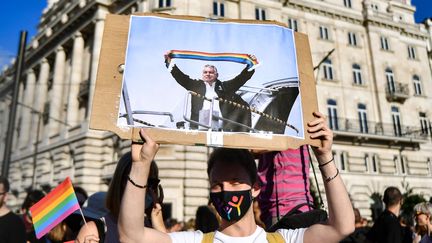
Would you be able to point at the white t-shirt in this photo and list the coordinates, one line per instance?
(259, 236)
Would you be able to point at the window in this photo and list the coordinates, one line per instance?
(332, 114)
(396, 121)
(375, 164)
(328, 69)
(218, 8)
(292, 24)
(424, 123)
(260, 14)
(411, 52)
(403, 165)
(357, 76)
(429, 164)
(164, 3)
(366, 163)
(362, 114)
(417, 85)
(385, 43)
(390, 80)
(343, 161)
(352, 39)
(324, 33)
(347, 3)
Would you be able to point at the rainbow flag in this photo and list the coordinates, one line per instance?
(53, 208)
(207, 56)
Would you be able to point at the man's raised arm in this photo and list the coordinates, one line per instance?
(341, 215)
(131, 218)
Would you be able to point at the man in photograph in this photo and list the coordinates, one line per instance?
(231, 107)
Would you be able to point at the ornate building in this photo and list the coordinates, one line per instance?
(375, 88)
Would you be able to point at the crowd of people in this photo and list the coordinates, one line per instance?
(247, 203)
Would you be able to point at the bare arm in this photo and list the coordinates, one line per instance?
(131, 218)
(341, 214)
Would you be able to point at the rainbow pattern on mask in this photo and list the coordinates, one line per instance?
(247, 59)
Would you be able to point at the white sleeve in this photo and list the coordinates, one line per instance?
(186, 237)
(292, 235)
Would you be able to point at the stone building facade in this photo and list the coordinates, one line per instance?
(376, 88)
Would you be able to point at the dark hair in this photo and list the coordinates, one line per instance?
(81, 194)
(231, 156)
(118, 182)
(33, 196)
(357, 216)
(5, 182)
(392, 196)
(205, 220)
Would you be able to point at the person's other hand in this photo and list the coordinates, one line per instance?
(318, 129)
(253, 57)
(144, 152)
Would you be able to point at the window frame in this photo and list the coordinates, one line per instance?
(418, 89)
(384, 43)
(324, 33)
(260, 13)
(328, 69)
(357, 74)
(352, 38)
(218, 8)
(332, 111)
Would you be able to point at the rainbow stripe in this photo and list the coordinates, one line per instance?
(207, 56)
(53, 208)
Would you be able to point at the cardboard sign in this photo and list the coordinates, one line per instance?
(191, 81)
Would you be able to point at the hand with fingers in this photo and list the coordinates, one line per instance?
(319, 129)
(167, 57)
(144, 152)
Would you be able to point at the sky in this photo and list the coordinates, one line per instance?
(20, 15)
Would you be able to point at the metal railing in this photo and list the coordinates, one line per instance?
(380, 129)
(397, 91)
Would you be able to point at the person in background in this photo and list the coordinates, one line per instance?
(284, 178)
(33, 196)
(233, 186)
(387, 228)
(94, 230)
(361, 229)
(423, 213)
(12, 228)
(81, 195)
(205, 219)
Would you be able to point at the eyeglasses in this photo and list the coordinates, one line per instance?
(2, 193)
(418, 213)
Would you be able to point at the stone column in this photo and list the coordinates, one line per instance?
(40, 95)
(75, 79)
(27, 111)
(57, 91)
(97, 43)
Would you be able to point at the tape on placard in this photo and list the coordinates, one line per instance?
(214, 139)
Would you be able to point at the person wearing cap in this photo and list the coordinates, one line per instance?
(423, 213)
(103, 207)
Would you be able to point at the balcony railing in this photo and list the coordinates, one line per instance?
(398, 92)
(353, 127)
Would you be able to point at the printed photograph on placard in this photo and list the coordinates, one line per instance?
(223, 77)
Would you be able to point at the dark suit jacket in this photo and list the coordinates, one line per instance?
(226, 90)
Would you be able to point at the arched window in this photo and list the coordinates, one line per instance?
(328, 69)
(417, 85)
(332, 114)
(357, 76)
(362, 114)
(391, 87)
(397, 128)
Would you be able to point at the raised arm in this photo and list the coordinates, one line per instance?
(234, 84)
(131, 218)
(341, 214)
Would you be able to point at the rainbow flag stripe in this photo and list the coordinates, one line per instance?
(207, 56)
(53, 208)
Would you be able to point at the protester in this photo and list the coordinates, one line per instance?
(423, 213)
(233, 182)
(387, 228)
(284, 178)
(12, 228)
(361, 229)
(95, 229)
(205, 219)
(33, 196)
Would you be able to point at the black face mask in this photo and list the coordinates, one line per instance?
(231, 205)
